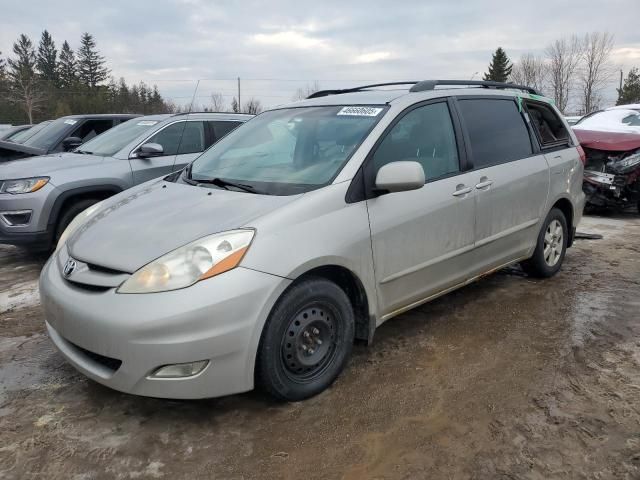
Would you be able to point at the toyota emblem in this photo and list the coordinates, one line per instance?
(69, 267)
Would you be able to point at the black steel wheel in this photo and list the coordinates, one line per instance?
(306, 341)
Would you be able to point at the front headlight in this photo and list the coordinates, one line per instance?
(23, 185)
(75, 223)
(204, 258)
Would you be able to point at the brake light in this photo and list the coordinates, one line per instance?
(583, 156)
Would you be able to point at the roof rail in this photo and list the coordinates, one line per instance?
(325, 93)
(432, 84)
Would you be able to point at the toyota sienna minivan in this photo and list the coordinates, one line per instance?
(306, 228)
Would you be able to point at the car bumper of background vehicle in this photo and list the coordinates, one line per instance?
(119, 340)
(28, 239)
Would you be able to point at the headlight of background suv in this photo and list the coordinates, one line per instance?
(75, 223)
(204, 258)
(23, 185)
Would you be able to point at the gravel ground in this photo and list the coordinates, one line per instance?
(508, 378)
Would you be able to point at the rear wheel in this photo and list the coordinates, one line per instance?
(551, 247)
(306, 341)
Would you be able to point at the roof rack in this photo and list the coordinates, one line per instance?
(432, 84)
(421, 86)
(325, 93)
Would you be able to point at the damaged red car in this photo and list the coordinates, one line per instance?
(611, 142)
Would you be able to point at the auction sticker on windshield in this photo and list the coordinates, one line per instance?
(70, 121)
(360, 111)
(147, 123)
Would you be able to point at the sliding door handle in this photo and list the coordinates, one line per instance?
(484, 184)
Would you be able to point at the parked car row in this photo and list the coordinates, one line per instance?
(44, 193)
(265, 257)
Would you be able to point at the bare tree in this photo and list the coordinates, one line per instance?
(563, 57)
(308, 89)
(24, 87)
(217, 102)
(596, 69)
(252, 106)
(532, 71)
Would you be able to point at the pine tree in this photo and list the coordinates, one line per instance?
(46, 60)
(23, 82)
(67, 67)
(630, 92)
(3, 68)
(500, 67)
(91, 65)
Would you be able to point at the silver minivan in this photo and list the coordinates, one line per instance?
(306, 228)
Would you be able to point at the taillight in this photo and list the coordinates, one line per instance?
(583, 156)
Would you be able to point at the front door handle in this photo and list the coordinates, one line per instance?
(462, 190)
(484, 183)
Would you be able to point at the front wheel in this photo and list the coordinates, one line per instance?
(306, 341)
(551, 247)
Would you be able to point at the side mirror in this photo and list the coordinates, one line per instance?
(150, 150)
(400, 177)
(70, 143)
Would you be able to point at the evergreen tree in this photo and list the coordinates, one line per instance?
(46, 60)
(91, 65)
(24, 89)
(500, 67)
(630, 92)
(235, 107)
(67, 67)
(3, 68)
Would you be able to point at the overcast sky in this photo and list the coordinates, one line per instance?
(280, 45)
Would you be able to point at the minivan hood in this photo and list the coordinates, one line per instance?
(45, 165)
(141, 224)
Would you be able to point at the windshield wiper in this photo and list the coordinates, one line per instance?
(222, 183)
(85, 152)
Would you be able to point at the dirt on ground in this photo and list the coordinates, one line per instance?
(511, 378)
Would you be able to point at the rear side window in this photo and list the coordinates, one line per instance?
(549, 129)
(496, 129)
(220, 129)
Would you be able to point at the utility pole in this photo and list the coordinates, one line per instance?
(239, 102)
(620, 80)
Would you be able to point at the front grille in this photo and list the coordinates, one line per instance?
(112, 364)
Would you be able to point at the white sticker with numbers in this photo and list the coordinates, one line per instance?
(360, 111)
(70, 121)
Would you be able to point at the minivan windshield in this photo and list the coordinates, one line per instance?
(287, 151)
(113, 140)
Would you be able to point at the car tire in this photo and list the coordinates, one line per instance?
(551, 247)
(306, 341)
(69, 214)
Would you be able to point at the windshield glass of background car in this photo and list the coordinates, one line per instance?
(113, 140)
(46, 137)
(26, 134)
(289, 151)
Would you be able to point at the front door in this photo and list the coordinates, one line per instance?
(422, 239)
(149, 168)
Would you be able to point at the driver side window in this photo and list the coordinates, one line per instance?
(424, 135)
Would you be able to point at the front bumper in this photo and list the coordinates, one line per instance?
(37, 233)
(120, 339)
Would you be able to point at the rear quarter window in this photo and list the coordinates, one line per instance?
(496, 129)
(548, 126)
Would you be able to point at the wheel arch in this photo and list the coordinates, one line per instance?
(68, 197)
(566, 207)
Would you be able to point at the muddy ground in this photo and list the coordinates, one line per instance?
(508, 378)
